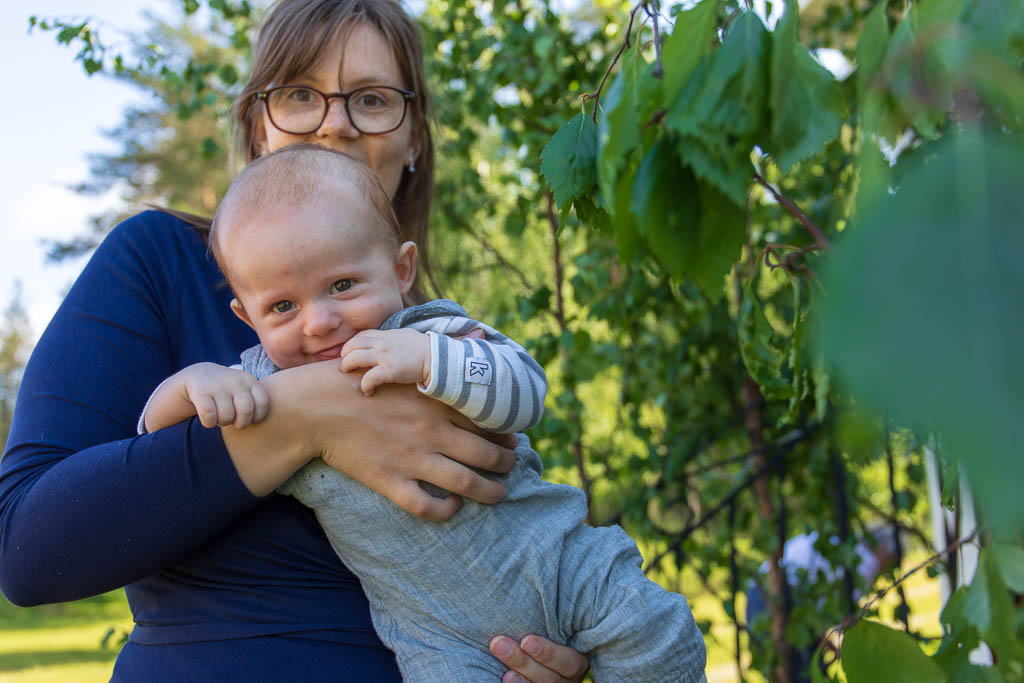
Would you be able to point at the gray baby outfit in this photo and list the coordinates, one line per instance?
(439, 592)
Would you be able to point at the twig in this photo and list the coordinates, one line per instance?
(556, 256)
(782, 448)
(794, 210)
(904, 610)
(788, 440)
(596, 95)
(658, 71)
(734, 585)
(852, 619)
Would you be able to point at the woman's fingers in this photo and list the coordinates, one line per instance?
(421, 504)
(459, 479)
(473, 451)
(538, 660)
(562, 659)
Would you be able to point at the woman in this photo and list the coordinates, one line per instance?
(225, 583)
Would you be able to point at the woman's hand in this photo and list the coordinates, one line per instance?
(389, 441)
(538, 660)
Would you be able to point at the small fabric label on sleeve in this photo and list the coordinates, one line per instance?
(478, 371)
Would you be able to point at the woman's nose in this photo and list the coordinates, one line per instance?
(337, 122)
(321, 319)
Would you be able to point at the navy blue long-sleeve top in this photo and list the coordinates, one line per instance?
(235, 584)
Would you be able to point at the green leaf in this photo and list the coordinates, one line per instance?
(977, 607)
(617, 134)
(732, 94)
(721, 113)
(228, 74)
(732, 176)
(190, 6)
(807, 108)
(627, 235)
(209, 148)
(721, 234)
(760, 356)
(568, 161)
(69, 33)
(873, 653)
(625, 111)
(592, 215)
(871, 47)
(923, 291)
(816, 675)
(1010, 561)
(666, 206)
(1000, 634)
(682, 50)
(919, 88)
(796, 351)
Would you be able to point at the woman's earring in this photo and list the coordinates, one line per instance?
(412, 164)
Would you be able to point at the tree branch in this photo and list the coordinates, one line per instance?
(852, 619)
(556, 256)
(596, 95)
(794, 210)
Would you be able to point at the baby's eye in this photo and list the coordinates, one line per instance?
(282, 306)
(341, 285)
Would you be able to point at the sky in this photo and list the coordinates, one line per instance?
(45, 146)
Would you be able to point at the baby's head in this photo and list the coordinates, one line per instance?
(308, 241)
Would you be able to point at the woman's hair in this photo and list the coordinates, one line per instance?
(299, 175)
(293, 39)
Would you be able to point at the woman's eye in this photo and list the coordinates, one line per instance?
(341, 285)
(370, 100)
(300, 95)
(282, 307)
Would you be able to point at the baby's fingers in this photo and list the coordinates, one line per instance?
(358, 358)
(206, 410)
(261, 402)
(373, 379)
(225, 409)
(244, 409)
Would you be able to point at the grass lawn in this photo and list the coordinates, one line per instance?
(74, 641)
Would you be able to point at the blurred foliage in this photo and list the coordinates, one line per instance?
(645, 195)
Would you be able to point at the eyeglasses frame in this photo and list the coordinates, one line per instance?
(407, 97)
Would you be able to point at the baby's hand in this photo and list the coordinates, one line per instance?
(393, 356)
(224, 396)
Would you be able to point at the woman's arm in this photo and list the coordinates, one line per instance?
(86, 506)
(389, 441)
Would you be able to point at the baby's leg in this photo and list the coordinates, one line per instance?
(632, 628)
(427, 655)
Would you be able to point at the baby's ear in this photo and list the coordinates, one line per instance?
(239, 310)
(405, 266)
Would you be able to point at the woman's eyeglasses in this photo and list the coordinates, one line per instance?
(301, 110)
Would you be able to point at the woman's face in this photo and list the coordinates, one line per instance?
(366, 59)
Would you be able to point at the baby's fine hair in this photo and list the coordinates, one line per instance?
(298, 175)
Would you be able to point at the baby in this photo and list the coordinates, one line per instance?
(309, 244)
